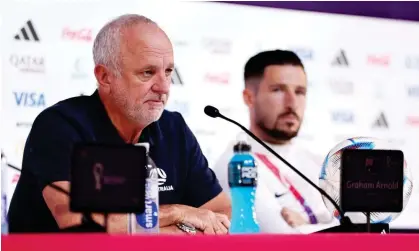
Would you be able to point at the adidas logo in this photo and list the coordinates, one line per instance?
(27, 32)
(341, 59)
(176, 79)
(381, 121)
(383, 232)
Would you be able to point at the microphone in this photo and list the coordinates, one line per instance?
(214, 113)
(87, 225)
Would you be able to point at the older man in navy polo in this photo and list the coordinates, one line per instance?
(133, 66)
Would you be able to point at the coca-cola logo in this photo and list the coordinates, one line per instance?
(218, 78)
(379, 60)
(15, 178)
(412, 121)
(83, 34)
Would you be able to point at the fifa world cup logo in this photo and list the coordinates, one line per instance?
(98, 174)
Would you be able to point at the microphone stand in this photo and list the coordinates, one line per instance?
(88, 225)
(346, 225)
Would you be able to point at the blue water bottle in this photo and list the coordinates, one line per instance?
(242, 179)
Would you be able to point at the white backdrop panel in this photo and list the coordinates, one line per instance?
(378, 71)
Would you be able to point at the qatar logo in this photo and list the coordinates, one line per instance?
(217, 46)
(28, 63)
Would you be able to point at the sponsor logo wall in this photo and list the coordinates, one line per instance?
(361, 82)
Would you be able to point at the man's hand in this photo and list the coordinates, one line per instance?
(205, 220)
(293, 218)
(176, 231)
(202, 219)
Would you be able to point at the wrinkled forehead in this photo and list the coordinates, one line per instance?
(146, 44)
(145, 40)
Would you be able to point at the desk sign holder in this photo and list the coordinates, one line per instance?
(372, 181)
(106, 179)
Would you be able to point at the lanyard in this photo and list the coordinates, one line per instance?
(293, 190)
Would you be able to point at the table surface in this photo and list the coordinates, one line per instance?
(314, 242)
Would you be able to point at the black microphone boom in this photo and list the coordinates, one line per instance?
(214, 113)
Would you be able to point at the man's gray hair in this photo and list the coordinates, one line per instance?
(107, 44)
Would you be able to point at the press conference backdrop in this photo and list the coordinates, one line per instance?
(363, 73)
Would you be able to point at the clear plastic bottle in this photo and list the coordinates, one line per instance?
(4, 222)
(147, 222)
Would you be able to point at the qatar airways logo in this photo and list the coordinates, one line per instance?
(217, 45)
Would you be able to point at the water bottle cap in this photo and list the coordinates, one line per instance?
(145, 144)
(242, 146)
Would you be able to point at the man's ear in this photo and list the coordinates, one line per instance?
(103, 77)
(248, 97)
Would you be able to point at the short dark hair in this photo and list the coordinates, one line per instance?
(255, 66)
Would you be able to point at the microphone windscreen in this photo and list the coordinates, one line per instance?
(211, 111)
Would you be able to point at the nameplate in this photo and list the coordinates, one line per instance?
(372, 180)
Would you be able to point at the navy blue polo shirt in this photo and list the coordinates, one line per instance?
(184, 175)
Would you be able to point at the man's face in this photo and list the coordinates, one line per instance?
(279, 101)
(142, 90)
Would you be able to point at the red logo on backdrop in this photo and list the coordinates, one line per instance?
(383, 60)
(412, 120)
(83, 34)
(220, 78)
(15, 178)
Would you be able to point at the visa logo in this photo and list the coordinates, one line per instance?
(345, 117)
(29, 99)
(303, 53)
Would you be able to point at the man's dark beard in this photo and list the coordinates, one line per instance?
(276, 133)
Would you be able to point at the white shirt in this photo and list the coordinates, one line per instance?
(267, 206)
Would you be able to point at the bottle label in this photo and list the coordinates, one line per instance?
(249, 172)
(242, 173)
(149, 218)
